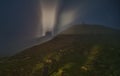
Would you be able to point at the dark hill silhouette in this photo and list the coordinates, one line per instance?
(70, 35)
(90, 29)
(78, 53)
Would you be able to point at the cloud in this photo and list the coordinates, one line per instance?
(48, 15)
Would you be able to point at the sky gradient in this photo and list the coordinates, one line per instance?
(21, 20)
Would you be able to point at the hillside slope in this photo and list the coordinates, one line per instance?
(89, 29)
(68, 55)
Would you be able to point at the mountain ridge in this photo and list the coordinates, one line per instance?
(71, 54)
(90, 29)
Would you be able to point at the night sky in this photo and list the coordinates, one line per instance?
(21, 20)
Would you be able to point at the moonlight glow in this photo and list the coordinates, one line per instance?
(50, 16)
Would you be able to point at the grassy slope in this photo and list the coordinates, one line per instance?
(71, 55)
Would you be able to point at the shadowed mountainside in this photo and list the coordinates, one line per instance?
(87, 53)
(90, 29)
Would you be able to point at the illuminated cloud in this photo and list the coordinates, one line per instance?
(67, 17)
(51, 17)
(48, 14)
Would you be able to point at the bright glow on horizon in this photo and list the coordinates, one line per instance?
(49, 16)
(67, 17)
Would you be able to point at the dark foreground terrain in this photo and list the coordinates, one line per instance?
(67, 55)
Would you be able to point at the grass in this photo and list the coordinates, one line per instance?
(68, 55)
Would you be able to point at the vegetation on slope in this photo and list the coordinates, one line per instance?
(67, 55)
(92, 54)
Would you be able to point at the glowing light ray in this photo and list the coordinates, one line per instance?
(49, 17)
(49, 14)
(66, 18)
